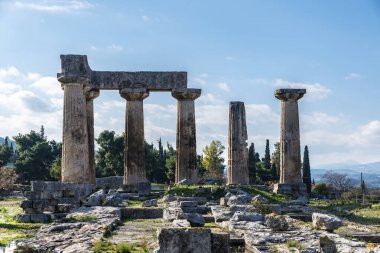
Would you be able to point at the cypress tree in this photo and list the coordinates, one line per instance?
(274, 172)
(252, 163)
(306, 174)
(267, 157)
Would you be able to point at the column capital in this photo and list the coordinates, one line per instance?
(74, 69)
(132, 94)
(289, 94)
(91, 93)
(185, 93)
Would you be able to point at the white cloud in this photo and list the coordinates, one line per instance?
(352, 76)
(145, 18)
(200, 81)
(224, 86)
(115, 47)
(319, 119)
(54, 6)
(314, 91)
(229, 58)
(9, 72)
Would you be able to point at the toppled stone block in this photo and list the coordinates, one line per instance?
(242, 208)
(195, 219)
(169, 198)
(183, 223)
(188, 203)
(172, 213)
(327, 245)
(242, 216)
(259, 199)
(197, 209)
(221, 214)
(326, 222)
(114, 198)
(300, 201)
(276, 223)
(142, 212)
(274, 208)
(34, 218)
(220, 243)
(179, 240)
(149, 203)
(96, 199)
(199, 200)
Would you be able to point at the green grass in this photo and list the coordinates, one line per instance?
(105, 246)
(363, 214)
(82, 218)
(295, 244)
(195, 191)
(10, 229)
(270, 196)
(134, 203)
(210, 225)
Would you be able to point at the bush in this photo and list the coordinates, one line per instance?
(321, 189)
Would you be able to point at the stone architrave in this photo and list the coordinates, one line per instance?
(186, 158)
(290, 151)
(134, 162)
(237, 145)
(91, 94)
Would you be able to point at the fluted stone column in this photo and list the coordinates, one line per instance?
(290, 151)
(91, 94)
(75, 149)
(237, 145)
(186, 157)
(134, 163)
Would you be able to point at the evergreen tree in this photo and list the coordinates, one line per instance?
(306, 175)
(6, 152)
(170, 163)
(267, 156)
(252, 163)
(276, 159)
(274, 175)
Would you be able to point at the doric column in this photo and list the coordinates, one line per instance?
(75, 153)
(186, 157)
(91, 94)
(237, 145)
(290, 151)
(134, 162)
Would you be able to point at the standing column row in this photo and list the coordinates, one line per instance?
(186, 156)
(78, 163)
(134, 152)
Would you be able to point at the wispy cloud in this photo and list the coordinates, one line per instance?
(224, 86)
(352, 76)
(229, 58)
(314, 91)
(54, 6)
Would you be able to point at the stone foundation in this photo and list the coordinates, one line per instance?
(290, 189)
(107, 183)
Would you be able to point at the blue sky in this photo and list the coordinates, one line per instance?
(232, 50)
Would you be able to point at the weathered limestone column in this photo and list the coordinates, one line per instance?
(74, 77)
(237, 145)
(290, 151)
(186, 158)
(134, 163)
(91, 94)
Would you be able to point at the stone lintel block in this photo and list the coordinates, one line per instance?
(133, 94)
(74, 69)
(188, 203)
(290, 189)
(289, 94)
(142, 213)
(186, 93)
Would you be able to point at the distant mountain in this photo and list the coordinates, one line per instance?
(371, 172)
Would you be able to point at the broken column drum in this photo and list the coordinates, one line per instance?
(82, 85)
(290, 151)
(237, 145)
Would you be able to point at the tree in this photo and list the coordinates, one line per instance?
(276, 160)
(273, 172)
(151, 162)
(110, 155)
(213, 160)
(6, 152)
(340, 182)
(35, 156)
(306, 174)
(252, 163)
(7, 177)
(267, 164)
(170, 163)
(321, 189)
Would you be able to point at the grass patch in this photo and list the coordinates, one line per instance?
(207, 191)
(105, 246)
(134, 203)
(295, 244)
(80, 217)
(210, 225)
(270, 196)
(147, 221)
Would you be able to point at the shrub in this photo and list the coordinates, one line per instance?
(7, 177)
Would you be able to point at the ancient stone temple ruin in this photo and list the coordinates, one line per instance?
(290, 153)
(81, 86)
(237, 145)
